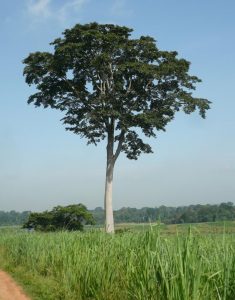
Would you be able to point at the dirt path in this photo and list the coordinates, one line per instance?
(9, 290)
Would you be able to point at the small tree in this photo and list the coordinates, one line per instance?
(71, 217)
(112, 87)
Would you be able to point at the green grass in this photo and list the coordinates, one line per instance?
(139, 264)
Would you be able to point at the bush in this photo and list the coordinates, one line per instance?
(71, 217)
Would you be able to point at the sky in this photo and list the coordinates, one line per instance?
(42, 165)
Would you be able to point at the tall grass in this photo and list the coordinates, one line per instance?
(128, 266)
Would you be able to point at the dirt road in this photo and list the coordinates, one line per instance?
(9, 290)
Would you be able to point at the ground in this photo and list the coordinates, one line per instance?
(9, 290)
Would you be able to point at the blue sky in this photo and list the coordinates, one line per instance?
(42, 165)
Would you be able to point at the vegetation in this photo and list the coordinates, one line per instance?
(171, 215)
(13, 218)
(112, 87)
(71, 217)
(132, 265)
(168, 215)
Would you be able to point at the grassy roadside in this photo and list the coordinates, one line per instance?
(35, 286)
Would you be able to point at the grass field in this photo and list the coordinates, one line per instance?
(141, 262)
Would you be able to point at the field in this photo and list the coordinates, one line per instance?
(140, 262)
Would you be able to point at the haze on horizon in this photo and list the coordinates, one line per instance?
(42, 165)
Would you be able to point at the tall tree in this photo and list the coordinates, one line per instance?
(112, 86)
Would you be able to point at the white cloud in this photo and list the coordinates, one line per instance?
(119, 8)
(41, 10)
(69, 8)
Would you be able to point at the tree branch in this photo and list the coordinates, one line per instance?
(101, 87)
(119, 147)
(111, 71)
(71, 86)
(129, 86)
(148, 84)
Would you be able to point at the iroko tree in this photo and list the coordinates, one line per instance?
(112, 86)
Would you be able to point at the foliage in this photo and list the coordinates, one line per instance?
(71, 217)
(109, 84)
(171, 215)
(130, 266)
(13, 218)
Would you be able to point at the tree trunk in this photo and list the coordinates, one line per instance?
(111, 159)
(109, 222)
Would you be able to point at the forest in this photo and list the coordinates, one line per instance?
(169, 215)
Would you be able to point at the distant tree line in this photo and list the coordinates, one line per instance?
(171, 215)
(13, 218)
(168, 215)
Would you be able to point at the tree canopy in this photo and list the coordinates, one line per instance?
(105, 81)
(71, 217)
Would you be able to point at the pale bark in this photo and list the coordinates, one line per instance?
(108, 196)
(109, 222)
(111, 159)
